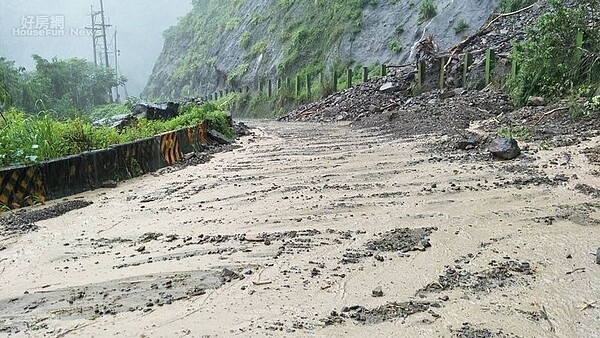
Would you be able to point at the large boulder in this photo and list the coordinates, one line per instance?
(504, 148)
(156, 111)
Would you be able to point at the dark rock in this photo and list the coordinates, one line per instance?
(504, 148)
(374, 109)
(467, 144)
(561, 178)
(156, 111)
(392, 116)
(377, 292)
(598, 256)
(110, 184)
(141, 249)
(218, 137)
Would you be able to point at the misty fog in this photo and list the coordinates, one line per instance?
(139, 25)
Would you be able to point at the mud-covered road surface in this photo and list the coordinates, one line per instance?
(317, 230)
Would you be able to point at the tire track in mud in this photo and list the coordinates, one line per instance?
(279, 216)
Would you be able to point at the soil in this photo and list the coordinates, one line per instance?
(23, 221)
(307, 229)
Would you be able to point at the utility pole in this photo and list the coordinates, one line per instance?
(95, 36)
(117, 99)
(103, 25)
(99, 32)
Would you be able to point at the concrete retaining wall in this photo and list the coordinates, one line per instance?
(26, 185)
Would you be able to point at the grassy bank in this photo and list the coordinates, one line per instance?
(28, 139)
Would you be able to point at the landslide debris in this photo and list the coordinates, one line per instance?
(24, 220)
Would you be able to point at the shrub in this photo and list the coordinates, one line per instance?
(427, 11)
(460, 26)
(549, 62)
(507, 6)
(245, 39)
(257, 49)
(394, 45)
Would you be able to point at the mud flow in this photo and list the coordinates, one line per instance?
(326, 230)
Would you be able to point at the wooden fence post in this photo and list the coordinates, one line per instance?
(443, 61)
(308, 85)
(468, 58)
(349, 81)
(489, 65)
(383, 70)
(420, 74)
(365, 74)
(261, 87)
(278, 84)
(270, 88)
(335, 81)
(297, 85)
(288, 84)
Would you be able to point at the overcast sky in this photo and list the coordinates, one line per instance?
(139, 25)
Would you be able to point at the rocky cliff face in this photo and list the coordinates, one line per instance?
(235, 43)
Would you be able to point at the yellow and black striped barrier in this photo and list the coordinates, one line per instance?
(28, 185)
(21, 187)
(169, 146)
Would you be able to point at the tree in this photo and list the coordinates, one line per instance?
(56, 85)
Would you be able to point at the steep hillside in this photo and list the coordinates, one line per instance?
(233, 43)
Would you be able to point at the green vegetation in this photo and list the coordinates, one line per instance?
(308, 39)
(245, 39)
(232, 23)
(516, 132)
(507, 6)
(427, 11)
(29, 139)
(460, 26)
(550, 62)
(306, 30)
(258, 48)
(394, 45)
(62, 87)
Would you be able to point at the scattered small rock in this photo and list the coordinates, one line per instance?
(110, 184)
(446, 94)
(377, 292)
(467, 143)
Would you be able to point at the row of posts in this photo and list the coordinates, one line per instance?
(421, 68)
(490, 57)
(267, 86)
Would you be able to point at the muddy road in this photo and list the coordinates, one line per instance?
(317, 230)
